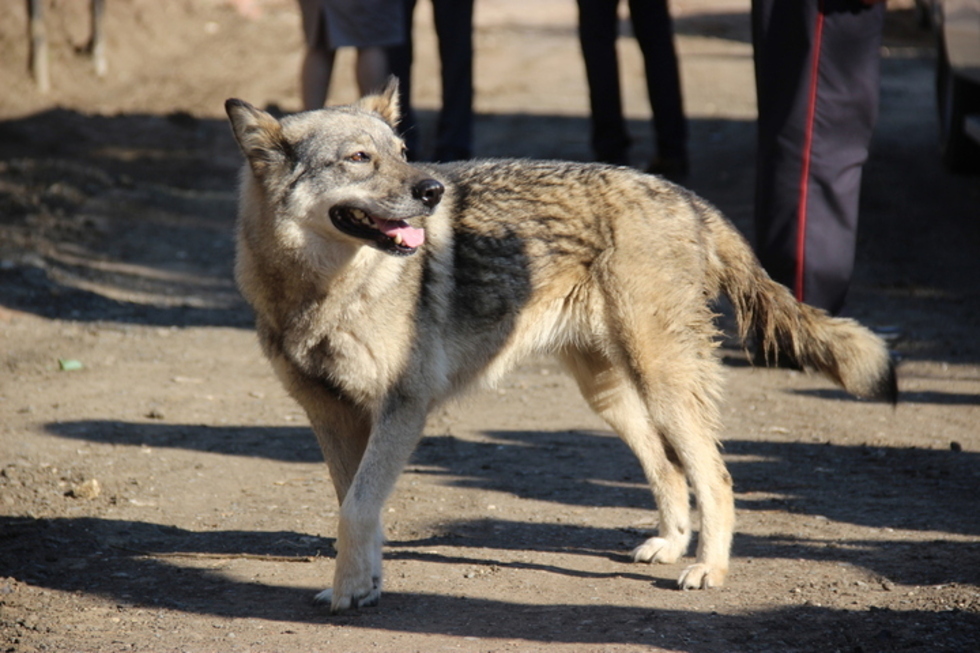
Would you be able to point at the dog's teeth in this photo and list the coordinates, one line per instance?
(360, 216)
(398, 239)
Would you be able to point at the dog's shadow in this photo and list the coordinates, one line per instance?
(875, 487)
(102, 557)
(147, 564)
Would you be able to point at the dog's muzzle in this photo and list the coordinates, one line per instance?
(391, 236)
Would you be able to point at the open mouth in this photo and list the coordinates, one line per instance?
(391, 236)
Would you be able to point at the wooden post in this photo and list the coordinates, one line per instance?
(97, 44)
(39, 45)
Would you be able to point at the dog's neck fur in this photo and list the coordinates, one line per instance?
(305, 305)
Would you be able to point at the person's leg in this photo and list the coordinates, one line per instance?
(315, 82)
(598, 23)
(454, 28)
(372, 69)
(782, 37)
(318, 59)
(817, 74)
(400, 59)
(846, 113)
(654, 31)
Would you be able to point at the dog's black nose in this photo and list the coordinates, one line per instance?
(429, 192)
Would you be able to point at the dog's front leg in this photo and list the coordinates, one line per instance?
(357, 576)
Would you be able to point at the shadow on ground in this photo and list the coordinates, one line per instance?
(138, 564)
(858, 485)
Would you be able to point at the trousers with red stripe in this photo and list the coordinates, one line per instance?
(817, 67)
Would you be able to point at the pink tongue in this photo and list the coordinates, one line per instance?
(411, 237)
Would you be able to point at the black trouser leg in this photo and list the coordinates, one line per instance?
(817, 76)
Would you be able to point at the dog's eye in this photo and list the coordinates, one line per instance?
(360, 157)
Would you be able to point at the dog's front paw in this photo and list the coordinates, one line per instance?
(701, 577)
(658, 549)
(341, 601)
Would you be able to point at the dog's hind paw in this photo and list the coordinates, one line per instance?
(658, 549)
(701, 577)
(341, 603)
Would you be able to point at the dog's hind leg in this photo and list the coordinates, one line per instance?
(611, 394)
(698, 452)
(680, 388)
(660, 393)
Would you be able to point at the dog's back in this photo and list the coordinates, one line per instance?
(584, 231)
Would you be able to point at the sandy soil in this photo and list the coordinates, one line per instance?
(160, 492)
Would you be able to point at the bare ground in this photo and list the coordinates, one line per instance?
(167, 495)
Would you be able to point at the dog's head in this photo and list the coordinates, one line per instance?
(340, 173)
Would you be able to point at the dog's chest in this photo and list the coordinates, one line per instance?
(358, 344)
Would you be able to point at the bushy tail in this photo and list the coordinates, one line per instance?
(849, 354)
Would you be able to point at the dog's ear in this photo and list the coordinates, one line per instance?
(259, 136)
(385, 103)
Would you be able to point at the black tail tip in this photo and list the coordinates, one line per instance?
(886, 389)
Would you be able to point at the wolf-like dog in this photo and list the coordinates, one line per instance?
(381, 288)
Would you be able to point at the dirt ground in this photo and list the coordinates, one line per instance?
(160, 492)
